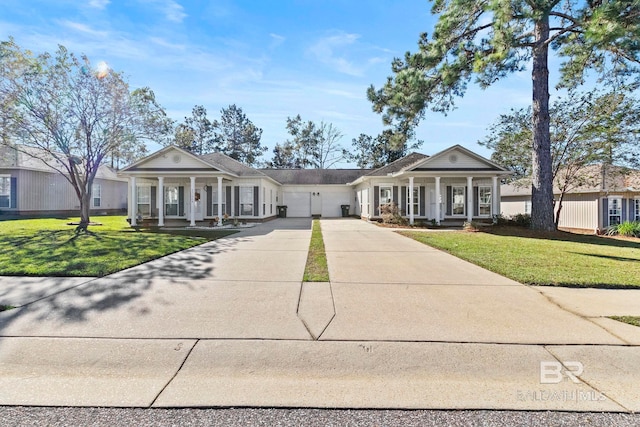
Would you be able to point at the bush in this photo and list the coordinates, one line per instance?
(627, 228)
(471, 226)
(390, 214)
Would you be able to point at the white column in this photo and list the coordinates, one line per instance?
(134, 201)
(438, 200)
(411, 212)
(192, 213)
(220, 201)
(495, 197)
(469, 198)
(160, 199)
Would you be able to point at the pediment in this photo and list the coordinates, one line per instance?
(456, 158)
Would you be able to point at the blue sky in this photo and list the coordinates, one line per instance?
(274, 59)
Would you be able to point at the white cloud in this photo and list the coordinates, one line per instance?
(83, 28)
(174, 11)
(99, 4)
(276, 40)
(326, 50)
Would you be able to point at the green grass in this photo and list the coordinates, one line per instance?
(552, 259)
(632, 320)
(316, 269)
(50, 247)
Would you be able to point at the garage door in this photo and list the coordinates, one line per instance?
(298, 204)
(331, 202)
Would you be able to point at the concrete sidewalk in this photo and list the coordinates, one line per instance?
(229, 323)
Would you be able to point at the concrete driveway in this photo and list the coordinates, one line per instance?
(229, 323)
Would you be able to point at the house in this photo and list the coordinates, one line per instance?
(455, 184)
(30, 187)
(605, 195)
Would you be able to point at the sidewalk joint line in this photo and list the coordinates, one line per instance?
(174, 375)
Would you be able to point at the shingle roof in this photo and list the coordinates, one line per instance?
(399, 165)
(314, 176)
(228, 164)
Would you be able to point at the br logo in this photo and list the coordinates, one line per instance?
(554, 372)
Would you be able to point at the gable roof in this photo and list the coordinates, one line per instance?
(225, 163)
(449, 160)
(400, 165)
(314, 176)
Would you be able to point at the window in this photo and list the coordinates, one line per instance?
(636, 209)
(386, 195)
(96, 195)
(527, 207)
(271, 201)
(484, 201)
(144, 201)
(615, 210)
(171, 197)
(215, 200)
(264, 201)
(458, 200)
(5, 191)
(416, 201)
(246, 200)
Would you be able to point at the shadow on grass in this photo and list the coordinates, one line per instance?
(561, 236)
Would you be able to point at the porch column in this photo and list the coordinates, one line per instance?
(495, 197)
(438, 200)
(469, 198)
(160, 199)
(411, 213)
(192, 212)
(219, 201)
(134, 202)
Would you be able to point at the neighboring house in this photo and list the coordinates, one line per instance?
(455, 184)
(606, 195)
(30, 187)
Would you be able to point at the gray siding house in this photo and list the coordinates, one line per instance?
(30, 187)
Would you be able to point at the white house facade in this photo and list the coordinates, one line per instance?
(173, 184)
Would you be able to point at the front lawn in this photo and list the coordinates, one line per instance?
(316, 269)
(552, 259)
(50, 247)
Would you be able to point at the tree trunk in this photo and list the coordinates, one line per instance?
(85, 204)
(542, 180)
(557, 220)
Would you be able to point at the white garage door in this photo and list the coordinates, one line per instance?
(331, 202)
(298, 204)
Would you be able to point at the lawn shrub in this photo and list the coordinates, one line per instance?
(627, 228)
(390, 214)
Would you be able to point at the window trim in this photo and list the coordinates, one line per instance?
(165, 199)
(464, 200)
(248, 189)
(93, 195)
(416, 201)
(214, 200)
(611, 199)
(138, 204)
(385, 187)
(636, 208)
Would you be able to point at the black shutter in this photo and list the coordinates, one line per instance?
(423, 200)
(154, 200)
(605, 212)
(476, 200)
(376, 201)
(449, 200)
(228, 200)
(624, 210)
(210, 200)
(395, 194)
(14, 192)
(180, 201)
(403, 201)
(256, 196)
(236, 204)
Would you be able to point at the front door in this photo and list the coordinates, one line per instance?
(198, 213)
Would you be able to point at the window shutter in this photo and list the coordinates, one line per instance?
(180, 201)
(423, 200)
(376, 201)
(210, 200)
(154, 200)
(14, 193)
(605, 212)
(403, 201)
(394, 191)
(256, 196)
(624, 210)
(449, 200)
(228, 200)
(236, 204)
(476, 200)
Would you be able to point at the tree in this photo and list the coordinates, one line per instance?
(195, 134)
(284, 157)
(73, 117)
(237, 137)
(312, 146)
(491, 39)
(585, 129)
(387, 147)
